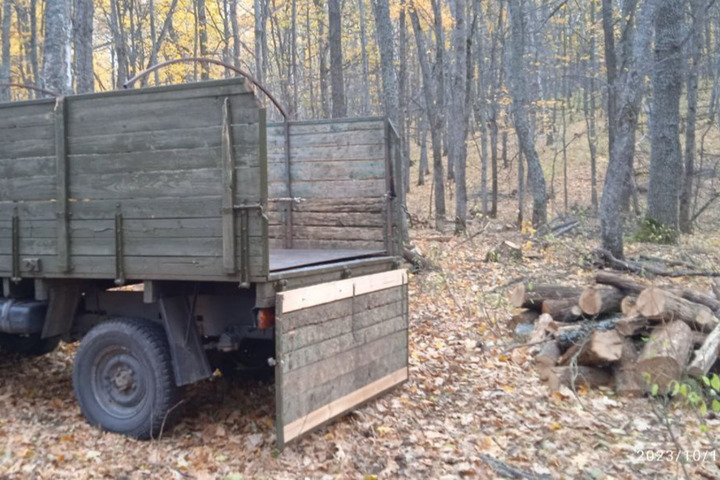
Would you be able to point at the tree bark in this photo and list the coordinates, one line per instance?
(83, 40)
(706, 356)
(528, 295)
(5, 40)
(337, 80)
(57, 75)
(695, 49)
(519, 90)
(657, 304)
(665, 158)
(665, 355)
(457, 117)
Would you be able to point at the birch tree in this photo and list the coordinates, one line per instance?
(56, 73)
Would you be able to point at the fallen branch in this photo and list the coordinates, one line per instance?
(508, 471)
(642, 269)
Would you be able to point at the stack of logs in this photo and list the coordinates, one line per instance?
(618, 332)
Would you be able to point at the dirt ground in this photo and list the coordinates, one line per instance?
(473, 407)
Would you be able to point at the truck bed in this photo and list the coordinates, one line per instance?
(286, 259)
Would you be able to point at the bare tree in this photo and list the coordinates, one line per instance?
(5, 41)
(337, 80)
(83, 42)
(519, 91)
(625, 93)
(57, 70)
(666, 166)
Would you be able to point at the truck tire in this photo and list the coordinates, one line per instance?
(123, 377)
(32, 345)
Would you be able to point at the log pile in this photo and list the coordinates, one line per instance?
(619, 332)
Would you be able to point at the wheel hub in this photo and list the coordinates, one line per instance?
(120, 383)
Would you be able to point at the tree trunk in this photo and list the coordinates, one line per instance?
(624, 97)
(57, 74)
(5, 35)
(665, 158)
(457, 118)
(365, 80)
(83, 39)
(260, 40)
(665, 355)
(337, 81)
(434, 118)
(694, 47)
(520, 105)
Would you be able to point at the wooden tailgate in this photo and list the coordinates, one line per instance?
(338, 344)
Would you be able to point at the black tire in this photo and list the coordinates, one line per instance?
(28, 345)
(123, 378)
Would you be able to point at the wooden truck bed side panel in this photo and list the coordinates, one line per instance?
(338, 344)
(339, 171)
(154, 157)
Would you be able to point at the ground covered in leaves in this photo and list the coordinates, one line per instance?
(473, 407)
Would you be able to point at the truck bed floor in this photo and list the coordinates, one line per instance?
(282, 259)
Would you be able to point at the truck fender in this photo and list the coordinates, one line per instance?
(190, 363)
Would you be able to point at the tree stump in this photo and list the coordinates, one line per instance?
(665, 355)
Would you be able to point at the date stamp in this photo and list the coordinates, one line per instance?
(684, 456)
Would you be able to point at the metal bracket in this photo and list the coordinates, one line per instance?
(15, 277)
(119, 248)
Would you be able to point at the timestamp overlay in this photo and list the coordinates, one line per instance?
(709, 456)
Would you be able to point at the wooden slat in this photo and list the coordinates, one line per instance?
(63, 186)
(228, 188)
(342, 405)
(330, 292)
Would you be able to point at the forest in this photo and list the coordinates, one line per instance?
(561, 173)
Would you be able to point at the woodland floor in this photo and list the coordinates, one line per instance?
(473, 408)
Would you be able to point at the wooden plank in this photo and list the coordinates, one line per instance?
(329, 170)
(127, 118)
(334, 139)
(169, 183)
(328, 126)
(17, 115)
(338, 309)
(27, 148)
(341, 405)
(320, 219)
(63, 186)
(323, 153)
(168, 139)
(34, 132)
(329, 292)
(26, 167)
(345, 244)
(228, 187)
(28, 188)
(300, 403)
(339, 189)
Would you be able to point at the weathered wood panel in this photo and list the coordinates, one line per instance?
(338, 345)
(151, 155)
(338, 169)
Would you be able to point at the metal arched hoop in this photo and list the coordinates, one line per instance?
(249, 77)
(30, 87)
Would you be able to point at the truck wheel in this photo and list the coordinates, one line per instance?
(28, 345)
(123, 377)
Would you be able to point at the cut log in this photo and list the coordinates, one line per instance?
(573, 377)
(577, 336)
(547, 359)
(600, 300)
(628, 306)
(564, 309)
(543, 326)
(631, 326)
(627, 381)
(528, 295)
(698, 338)
(706, 355)
(526, 316)
(657, 304)
(665, 355)
(603, 348)
(630, 286)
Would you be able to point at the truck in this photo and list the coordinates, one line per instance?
(167, 228)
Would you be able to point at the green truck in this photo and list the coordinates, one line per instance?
(168, 228)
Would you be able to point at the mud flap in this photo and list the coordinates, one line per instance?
(338, 345)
